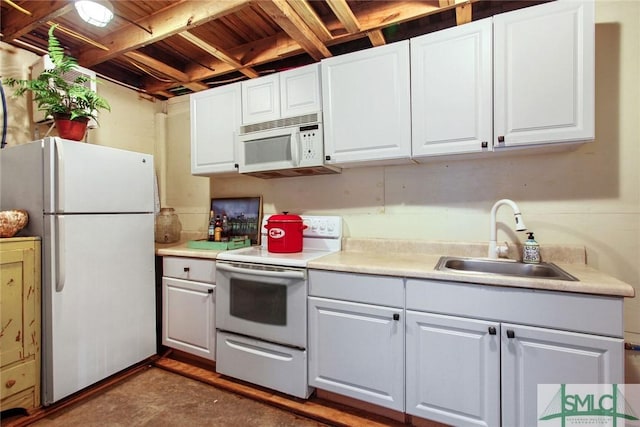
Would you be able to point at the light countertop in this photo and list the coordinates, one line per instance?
(181, 249)
(417, 259)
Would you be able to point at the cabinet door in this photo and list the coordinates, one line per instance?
(188, 322)
(453, 369)
(544, 74)
(261, 99)
(300, 91)
(452, 95)
(215, 120)
(19, 303)
(366, 106)
(532, 356)
(357, 350)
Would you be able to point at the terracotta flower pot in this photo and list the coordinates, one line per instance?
(72, 129)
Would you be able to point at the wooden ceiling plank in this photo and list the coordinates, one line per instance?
(294, 26)
(220, 54)
(167, 22)
(311, 18)
(16, 24)
(376, 37)
(344, 14)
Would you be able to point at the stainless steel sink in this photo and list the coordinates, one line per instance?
(544, 270)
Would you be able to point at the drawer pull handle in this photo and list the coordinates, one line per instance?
(210, 291)
(186, 269)
(396, 316)
(10, 383)
(492, 330)
(510, 333)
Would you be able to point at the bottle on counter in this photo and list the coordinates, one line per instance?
(226, 229)
(217, 230)
(531, 251)
(212, 226)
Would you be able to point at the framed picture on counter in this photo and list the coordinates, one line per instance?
(244, 215)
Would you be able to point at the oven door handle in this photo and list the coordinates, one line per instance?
(287, 274)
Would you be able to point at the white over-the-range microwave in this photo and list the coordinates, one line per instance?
(287, 147)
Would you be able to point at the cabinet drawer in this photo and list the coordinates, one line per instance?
(201, 270)
(17, 378)
(363, 288)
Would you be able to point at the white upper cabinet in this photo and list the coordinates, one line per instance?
(300, 91)
(215, 120)
(366, 106)
(280, 95)
(451, 90)
(261, 99)
(544, 74)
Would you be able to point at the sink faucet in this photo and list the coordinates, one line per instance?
(493, 247)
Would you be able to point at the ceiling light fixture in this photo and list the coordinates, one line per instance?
(95, 12)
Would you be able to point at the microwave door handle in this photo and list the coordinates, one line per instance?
(295, 149)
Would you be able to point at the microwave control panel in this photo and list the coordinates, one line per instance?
(312, 150)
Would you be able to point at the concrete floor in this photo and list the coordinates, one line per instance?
(156, 397)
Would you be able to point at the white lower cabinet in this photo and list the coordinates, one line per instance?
(357, 349)
(188, 306)
(470, 364)
(453, 369)
(532, 356)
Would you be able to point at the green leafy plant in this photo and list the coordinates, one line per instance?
(54, 95)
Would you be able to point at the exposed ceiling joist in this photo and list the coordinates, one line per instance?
(463, 13)
(168, 22)
(311, 18)
(344, 15)
(284, 15)
(158, 67)
(220, 54)
(18, 24)
(376, 37)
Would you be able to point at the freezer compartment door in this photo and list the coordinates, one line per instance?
(99, 299)
(85, 178)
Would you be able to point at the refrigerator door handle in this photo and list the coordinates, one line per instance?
(60, 261)
(59, 175)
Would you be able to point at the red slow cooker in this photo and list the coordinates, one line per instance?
(284, 233)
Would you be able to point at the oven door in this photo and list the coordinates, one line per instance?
(269, 150)
(261, 301)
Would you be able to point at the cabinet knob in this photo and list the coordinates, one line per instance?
(492, 330)
(484, 144)
(10, 383)
(210, 290)
(237, 166)
(327, 158)
(501, 138)
(396, 316)
(510, 334)
(186, 269)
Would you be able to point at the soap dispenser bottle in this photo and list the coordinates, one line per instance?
(531, 252)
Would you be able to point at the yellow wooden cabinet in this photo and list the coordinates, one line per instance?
(20, 323)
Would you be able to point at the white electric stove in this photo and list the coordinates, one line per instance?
(261, 309)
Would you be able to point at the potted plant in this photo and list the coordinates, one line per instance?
(69, 102)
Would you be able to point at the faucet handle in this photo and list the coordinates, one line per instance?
(502, 251)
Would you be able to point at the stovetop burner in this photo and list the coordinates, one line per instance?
(322, 236)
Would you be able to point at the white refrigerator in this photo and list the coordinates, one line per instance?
(93, 207)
